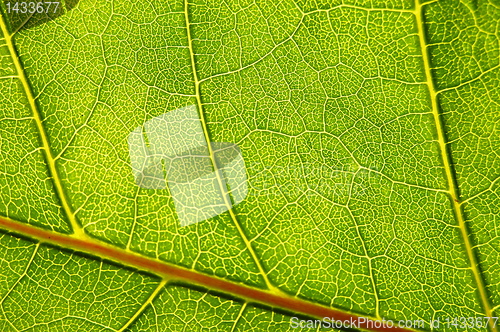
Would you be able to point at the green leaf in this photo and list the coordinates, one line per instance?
(369, 132)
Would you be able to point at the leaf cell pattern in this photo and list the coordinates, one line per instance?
(369, 130)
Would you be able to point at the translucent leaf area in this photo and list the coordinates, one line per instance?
(337, 153)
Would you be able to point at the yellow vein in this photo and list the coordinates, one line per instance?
(490, 188)
(237, 319)
(370, 265)
(144, 305)
(453, 190)
(211, 152)
(456, 87)
(41, 130)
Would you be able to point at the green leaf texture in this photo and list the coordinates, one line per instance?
(370, 132)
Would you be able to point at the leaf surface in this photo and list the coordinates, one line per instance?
(370, 134)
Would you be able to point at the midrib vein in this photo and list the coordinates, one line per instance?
(171, 273)
(21, 75)
(450, 178)
(212, 156)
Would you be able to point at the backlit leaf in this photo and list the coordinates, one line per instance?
(365, 139)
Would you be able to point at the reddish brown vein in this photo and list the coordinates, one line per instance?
(165, 270)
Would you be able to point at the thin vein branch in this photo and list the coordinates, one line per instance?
(150, 299)
(240, 314)
(469, 81)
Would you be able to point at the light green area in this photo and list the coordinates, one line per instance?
(346, 204)
(100, 81)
